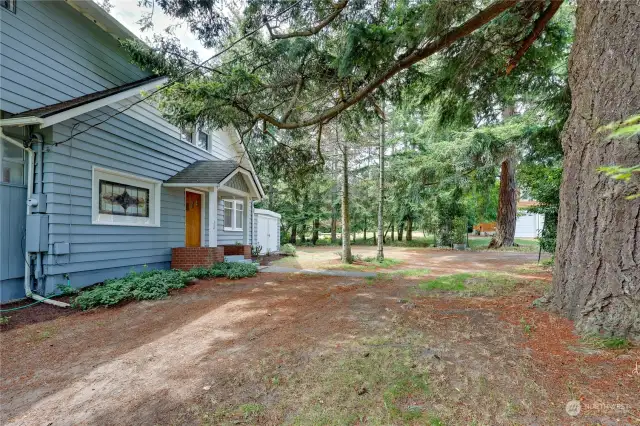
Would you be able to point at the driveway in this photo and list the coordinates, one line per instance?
(307, 349)
(438, 261)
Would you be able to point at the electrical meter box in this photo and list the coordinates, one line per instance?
(37, 238)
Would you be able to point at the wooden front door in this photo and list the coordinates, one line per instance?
(193, 218)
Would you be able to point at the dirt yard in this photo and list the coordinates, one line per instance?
(302, 349)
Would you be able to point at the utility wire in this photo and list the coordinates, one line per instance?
(185, 74)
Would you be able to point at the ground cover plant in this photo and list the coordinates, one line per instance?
(477, 284)
(157, 284)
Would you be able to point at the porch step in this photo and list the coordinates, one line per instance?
(236, 258)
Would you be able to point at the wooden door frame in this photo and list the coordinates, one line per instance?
(203, 202)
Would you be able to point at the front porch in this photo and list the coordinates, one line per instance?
(186, 258)
(218, 215)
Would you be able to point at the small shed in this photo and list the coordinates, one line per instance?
(268, 230)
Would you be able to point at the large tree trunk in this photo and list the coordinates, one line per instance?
(316, 231)
(380, 242)
(334, 225)
(597, 265)
(293, 237)
(507, 206)
(400, 230)
(303, 233)
(409, 236)
(334, 211)
(346, 244)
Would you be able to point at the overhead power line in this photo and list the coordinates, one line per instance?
(185, 74)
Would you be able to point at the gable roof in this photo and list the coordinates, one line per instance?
(49, 110)
(204, 172)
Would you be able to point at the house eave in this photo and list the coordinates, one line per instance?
(21, 121)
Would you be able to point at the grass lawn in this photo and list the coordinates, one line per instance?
(478, 284)
(524, 244)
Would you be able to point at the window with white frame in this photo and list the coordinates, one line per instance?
(203, 140)
(186, 134)
(233, 215)
(11, 163)
(123, 199)
(9, 5)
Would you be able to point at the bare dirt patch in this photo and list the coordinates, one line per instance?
(303, 349)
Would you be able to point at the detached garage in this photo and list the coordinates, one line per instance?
(268, 226)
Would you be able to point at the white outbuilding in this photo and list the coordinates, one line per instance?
(268, 230)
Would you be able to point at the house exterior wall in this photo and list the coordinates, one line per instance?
(12, 227)
(237, 182)
(233, 237)
(98, 252)
(51, 53)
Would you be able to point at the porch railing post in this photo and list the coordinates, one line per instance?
(245, 219)
(213, 217)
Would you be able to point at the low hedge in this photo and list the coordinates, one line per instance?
(150, 285)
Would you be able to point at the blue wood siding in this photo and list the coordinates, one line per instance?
(98, 252)
(50, 53)
(12, 227)
(237, 182)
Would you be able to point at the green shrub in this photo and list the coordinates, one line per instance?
(151, 285)
(4, 320)
(241, 270)
(288, 249)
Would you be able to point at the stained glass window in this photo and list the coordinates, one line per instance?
(123, 200)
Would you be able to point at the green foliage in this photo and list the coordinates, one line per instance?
(627, 128)
(235, 271)
(67, 289)
(476, 284)
(613, 342)
(459, 230)
(4, 320)
(255, 250)
(288, 249)
(157, 284)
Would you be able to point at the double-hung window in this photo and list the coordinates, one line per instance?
(233, 215)
(12, 163)
(203, 140)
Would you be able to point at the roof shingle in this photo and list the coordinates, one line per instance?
(204, 172)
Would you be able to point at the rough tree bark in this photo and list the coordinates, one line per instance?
(507, 206)
(409, 236)
(380, 242)
(346, 244)
(293, 237)
(334, 210)
(316, 231)
(507, 198)
(597, 265)
(303, 233)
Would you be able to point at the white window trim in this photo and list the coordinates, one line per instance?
(234, 203)
(203, 204)
(194, 139)
(21, 162)
(154, 187)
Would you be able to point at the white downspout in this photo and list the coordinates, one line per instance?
(27, 265)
